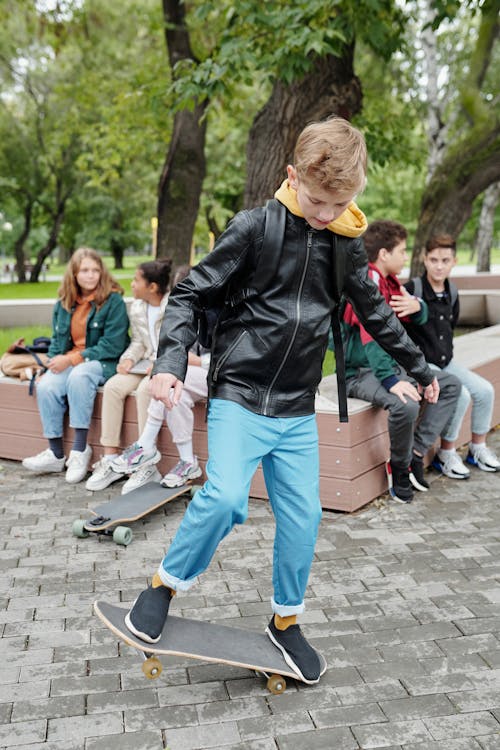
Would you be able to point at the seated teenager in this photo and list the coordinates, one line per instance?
(373, 375)
(90, 331)
(435, 339)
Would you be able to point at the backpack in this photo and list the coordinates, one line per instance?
(26, 362)
(267, 263)
(418, 289)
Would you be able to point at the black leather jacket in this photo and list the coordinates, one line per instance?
(268, 352)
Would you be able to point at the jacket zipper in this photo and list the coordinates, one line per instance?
(297, 324)
(226, 355)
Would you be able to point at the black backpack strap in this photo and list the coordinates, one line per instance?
(453, 292)
(272, 244)
(417, 286)
(270, 253)
(338, 344)
(42, 366)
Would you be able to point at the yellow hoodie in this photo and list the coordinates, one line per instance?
(351, 223)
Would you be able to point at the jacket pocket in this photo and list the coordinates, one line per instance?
(226, 355)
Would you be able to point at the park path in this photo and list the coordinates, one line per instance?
(404, 601)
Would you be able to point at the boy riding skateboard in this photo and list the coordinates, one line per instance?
(266, 364)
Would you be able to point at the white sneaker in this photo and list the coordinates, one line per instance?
(140, 477)
(182, 472)
(78, 465)
(44, 462)
(102, 476)
(482, 457)
(451, 465)
(133, 458)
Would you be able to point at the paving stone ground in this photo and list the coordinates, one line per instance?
(404, 601)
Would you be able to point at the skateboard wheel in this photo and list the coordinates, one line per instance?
(276, 684)
(79, 529)
(194, 489)
(152, 668)
(123, 535)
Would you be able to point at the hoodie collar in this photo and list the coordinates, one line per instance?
(351, 223)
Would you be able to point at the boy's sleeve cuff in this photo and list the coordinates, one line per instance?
(389, 382)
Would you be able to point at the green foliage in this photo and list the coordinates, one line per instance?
(9, 335)
(84, 90)
(278, 39)
(88, 103)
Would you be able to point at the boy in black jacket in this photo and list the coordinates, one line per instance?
(266, 364)
(435, 339)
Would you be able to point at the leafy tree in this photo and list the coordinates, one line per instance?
(84, 98)
(469, 153)
(297, 56)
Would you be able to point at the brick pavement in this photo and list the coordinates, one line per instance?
(403, 601)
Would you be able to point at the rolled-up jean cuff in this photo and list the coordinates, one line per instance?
(286, 610)
(177, 584)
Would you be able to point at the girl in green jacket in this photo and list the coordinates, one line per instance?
(90, 331)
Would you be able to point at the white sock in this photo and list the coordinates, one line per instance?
(149, 434)
(186, 451)
(473, 447)
(446, 451)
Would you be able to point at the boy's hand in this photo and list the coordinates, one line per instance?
(167, 388)
(431, 392)
(403, 388)
(404, 304)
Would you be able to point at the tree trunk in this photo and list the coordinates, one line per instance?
(21, 241)
(329, 88)
(484, 237)
(116, 246)
(51, 243)
(469, 168)
(117, 251)
(184, 169)
(436, 128)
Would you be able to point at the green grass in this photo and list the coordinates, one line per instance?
(9, 335)
(48, 289)
(42, 290)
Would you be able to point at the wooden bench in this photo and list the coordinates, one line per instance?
(352, 455)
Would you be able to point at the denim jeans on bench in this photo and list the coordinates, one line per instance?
(75, 389)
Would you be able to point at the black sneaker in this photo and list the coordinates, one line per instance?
(148, 614)
(299, 655)
(417, 474)
(398, 478)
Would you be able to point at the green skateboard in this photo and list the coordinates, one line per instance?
(109, 517)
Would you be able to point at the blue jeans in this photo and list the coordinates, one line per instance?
(75, 389)
(474, 388)
(238, 440)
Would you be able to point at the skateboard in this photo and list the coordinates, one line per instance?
(109, 516)
(204, 641)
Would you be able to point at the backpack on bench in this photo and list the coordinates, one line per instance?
(26, 362)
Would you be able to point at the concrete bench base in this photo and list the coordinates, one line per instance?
(352, 455)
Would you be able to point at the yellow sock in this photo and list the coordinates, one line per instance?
(156, 582)
(282, 623)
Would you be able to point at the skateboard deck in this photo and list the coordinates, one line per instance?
(126, 509)
(204, 641)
